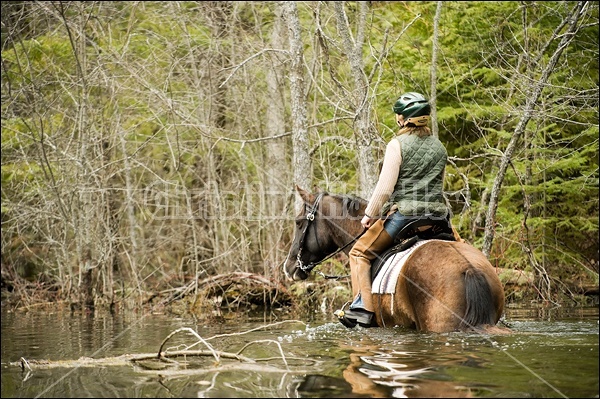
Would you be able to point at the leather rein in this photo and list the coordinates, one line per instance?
(310, 217)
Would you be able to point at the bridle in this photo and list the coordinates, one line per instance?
(310, 217)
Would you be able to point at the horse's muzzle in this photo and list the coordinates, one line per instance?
(293, 272)
(299, 274)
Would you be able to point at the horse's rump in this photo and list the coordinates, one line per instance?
(445, 286)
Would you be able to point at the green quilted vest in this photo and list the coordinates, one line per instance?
(418, 190)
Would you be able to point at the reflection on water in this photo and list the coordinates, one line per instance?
(367, 373)
(552, 354)
(397, 371)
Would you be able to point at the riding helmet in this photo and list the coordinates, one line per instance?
(411, 105)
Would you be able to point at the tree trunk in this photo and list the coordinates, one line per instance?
(276, 192)
(301, 164)
(363, 131)
(434, 51)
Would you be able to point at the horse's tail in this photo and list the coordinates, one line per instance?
(480, 308)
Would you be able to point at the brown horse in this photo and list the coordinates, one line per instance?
(443, 286)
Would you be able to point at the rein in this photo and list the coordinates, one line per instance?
(310, 217)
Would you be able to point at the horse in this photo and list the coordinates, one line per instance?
(443, 286)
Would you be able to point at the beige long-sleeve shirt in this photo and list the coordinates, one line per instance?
(387, 179)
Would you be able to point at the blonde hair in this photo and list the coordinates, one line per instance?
(420, 131)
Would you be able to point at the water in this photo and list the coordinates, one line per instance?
(552, 353)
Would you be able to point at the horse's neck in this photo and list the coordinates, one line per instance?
(353, 234)
(349, 225)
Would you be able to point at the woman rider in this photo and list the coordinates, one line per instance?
(410, 185)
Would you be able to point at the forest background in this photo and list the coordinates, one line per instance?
(151, 149)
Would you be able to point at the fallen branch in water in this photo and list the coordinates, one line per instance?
(122, 360)
(214, 353)
(165, 359)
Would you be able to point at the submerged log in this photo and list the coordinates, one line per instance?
(167, 359)
(123, 360)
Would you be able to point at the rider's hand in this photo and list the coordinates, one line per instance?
(366, 221)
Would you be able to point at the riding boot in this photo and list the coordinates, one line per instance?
(360, 267)
(370, 245)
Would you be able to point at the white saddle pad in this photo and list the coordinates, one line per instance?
(385, 281)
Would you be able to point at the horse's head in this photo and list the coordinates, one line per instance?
(322, 226)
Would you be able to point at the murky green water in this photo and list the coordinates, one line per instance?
(552, 353)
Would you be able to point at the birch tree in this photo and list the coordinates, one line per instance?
(301, 164)
(363, 130)
(434, 54)
(276, 179)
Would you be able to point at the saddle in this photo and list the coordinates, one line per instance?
(419, 229)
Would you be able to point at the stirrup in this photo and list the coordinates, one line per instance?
(351, 317)
(341, 315)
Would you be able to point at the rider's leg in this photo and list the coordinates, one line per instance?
(367, 247)
(372, 243)
(395, 222)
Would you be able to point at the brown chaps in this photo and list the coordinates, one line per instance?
(367, 248)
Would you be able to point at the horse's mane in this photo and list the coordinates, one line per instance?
(351, 203)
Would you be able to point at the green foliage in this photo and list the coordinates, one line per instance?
(127, 99)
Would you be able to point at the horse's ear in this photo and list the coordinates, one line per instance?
(306, 196)
(317, 189)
